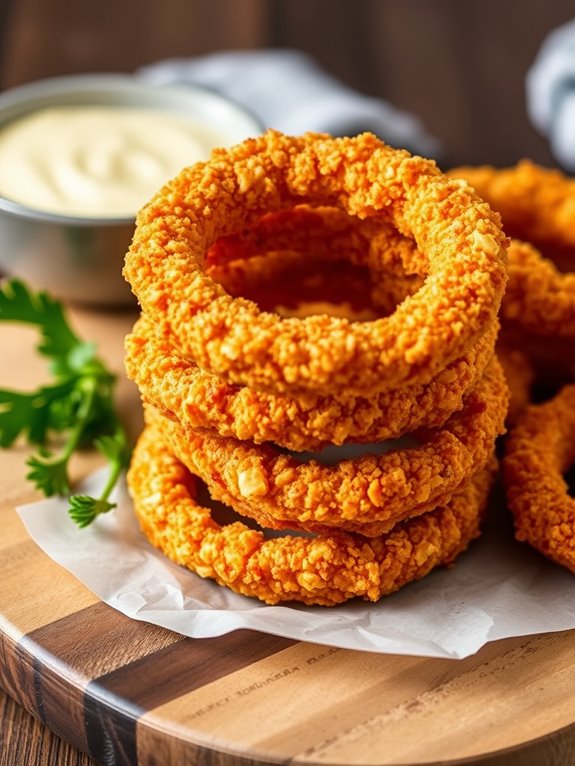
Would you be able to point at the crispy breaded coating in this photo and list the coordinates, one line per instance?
(301, 292)
(198, 399)
(539, 451)
(539, 299)
(536, 204)
(367, 494)
(519, 375)
(458, 233)
(323, 570)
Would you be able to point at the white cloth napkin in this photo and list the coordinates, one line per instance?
(550, 88)
(288, 91)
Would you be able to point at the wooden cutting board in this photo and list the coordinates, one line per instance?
(131, 693)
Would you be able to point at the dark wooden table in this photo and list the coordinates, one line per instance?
(24, 740)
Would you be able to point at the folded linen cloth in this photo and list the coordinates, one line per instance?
(550, 87)
(288, 91)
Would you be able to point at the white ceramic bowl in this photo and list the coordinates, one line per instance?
(79, 259)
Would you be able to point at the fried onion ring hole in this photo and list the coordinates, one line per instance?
(539, 298)
(316, 246)
(368, 494)
(320, 571)
(539, 451)
(231, 337)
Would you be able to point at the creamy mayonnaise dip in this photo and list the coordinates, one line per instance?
(97, 161)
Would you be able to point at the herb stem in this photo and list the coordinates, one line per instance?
(115, 471)
(88, 387)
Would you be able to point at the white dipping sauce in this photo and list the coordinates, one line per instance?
(97, 161)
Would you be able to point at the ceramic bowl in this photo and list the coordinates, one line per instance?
(79, 258)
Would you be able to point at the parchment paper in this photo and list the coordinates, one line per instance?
(497, 589)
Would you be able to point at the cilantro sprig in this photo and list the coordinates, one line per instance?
(78, 405)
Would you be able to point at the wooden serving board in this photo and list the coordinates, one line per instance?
(131, 693)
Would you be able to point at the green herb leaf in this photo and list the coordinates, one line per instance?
(17, 416)
(84, 509)
(49, 475)
(19, 304)
(79, 404)
(31, 414)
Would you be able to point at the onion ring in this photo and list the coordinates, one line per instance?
(536, 205)
(368, 494)
(538, 309)
(197, 399)
(459, 234)
(539, 451)
(539, 299)
(322, 571)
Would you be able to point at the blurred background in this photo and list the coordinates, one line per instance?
(459, 66)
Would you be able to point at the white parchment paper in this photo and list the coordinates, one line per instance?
(497, 589)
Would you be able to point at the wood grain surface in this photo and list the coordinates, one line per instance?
(126, 692)
(459, 66)
(24, 740)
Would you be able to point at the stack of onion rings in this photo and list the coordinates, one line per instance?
(324, 570)
(368, 494)
(538, 330)
(273, 226)
(537, 206)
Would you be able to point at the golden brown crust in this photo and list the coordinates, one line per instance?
(519, 375)
(197, 399)
(460, 236)
(539, 451)
(536, 204)
(368, 494)
(538, 310)
(324, 570)
(539, 299)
